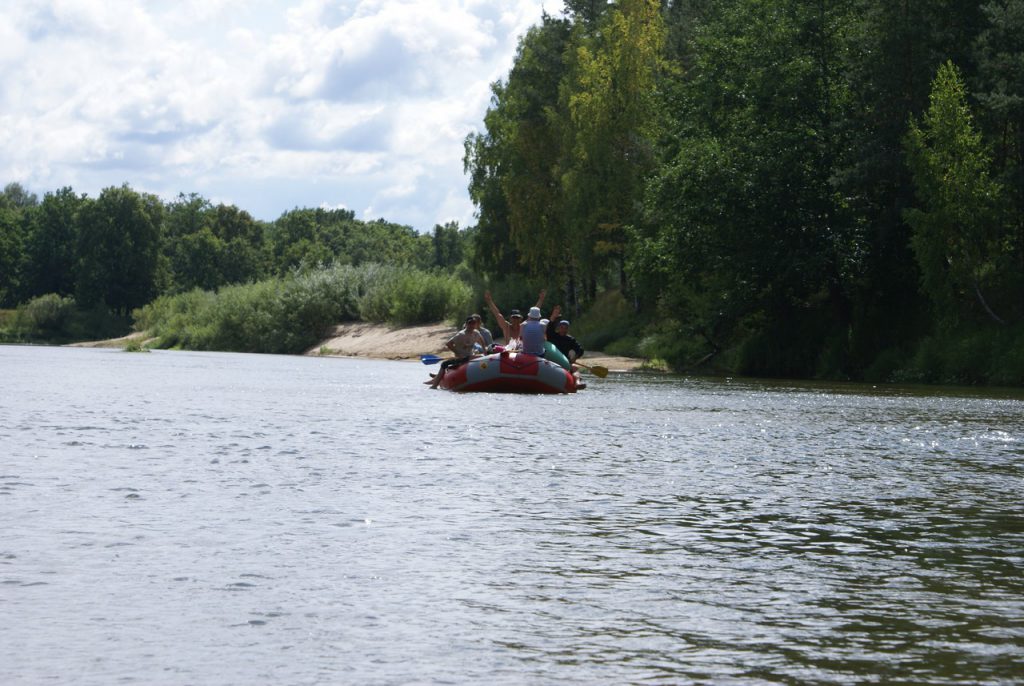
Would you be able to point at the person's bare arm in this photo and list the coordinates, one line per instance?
(498, 317)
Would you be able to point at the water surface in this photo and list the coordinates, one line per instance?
(205, 518)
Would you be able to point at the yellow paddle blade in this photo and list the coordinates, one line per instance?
(597, 370)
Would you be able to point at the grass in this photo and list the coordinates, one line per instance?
(135, 346)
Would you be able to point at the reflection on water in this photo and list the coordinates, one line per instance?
(209, 518)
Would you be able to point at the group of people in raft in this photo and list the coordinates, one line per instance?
(528, 336)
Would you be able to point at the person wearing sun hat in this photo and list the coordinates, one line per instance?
(510, 328)
(533, 333)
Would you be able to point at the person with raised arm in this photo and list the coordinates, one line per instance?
(511, 327)
(558, 334)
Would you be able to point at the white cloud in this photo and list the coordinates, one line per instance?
(263, 103)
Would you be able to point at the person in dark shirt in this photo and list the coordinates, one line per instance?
(558, 334)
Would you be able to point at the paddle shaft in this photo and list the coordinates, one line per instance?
(597, 369)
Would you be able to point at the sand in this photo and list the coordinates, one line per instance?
(383, 342)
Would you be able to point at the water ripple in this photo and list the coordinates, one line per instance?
(251, 523)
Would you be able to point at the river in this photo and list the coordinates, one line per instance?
(208, 518)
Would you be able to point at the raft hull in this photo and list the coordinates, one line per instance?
(509, 373)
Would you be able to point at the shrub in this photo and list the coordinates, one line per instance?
(886, 367)
(627, 347)
(988, 356)
(420, 297)
(292, 313)
(45, 316)
(609, 319)
(375, 302)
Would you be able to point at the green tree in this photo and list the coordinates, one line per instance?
(529, 132)
(305, 238)
(448, 246)
(195, 259)
(11, 254)
(16, 205)
(50, 251)
(513, 167)
(208, 247)
(1000, 54)
(189, 245)
(893, 51)
(586, 12)
(610, 96)
(118, 249)
(493, 251)
(957, 235)
(241, 258)
(295, 241)
(17, 196)
(748, 237)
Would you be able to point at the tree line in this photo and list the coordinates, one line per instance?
(778, 187)
(122, 249)
(798, 188)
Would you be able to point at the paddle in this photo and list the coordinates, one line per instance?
(431, 359)
(597, 370)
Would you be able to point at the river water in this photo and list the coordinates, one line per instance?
(201, 518)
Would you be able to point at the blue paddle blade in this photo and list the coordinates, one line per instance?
(430, 359)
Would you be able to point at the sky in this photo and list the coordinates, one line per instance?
(264, 104)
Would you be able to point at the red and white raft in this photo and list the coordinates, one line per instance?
(507, 372)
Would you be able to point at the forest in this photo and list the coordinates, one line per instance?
(210, 277)
(788, 188)
(784, 188)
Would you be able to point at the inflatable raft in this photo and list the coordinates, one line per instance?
(507, 372)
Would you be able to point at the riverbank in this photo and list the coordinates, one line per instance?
(380, 341)
(384, 342)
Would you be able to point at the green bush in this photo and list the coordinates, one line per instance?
(292, 313)
(609, 319)
(886, 367)
(56, 319)
(8, 333)
(95, 323)
(978, 357)
(375, 300)
(626, 347)
(404, 296)
(419, 297)
(667, 343)
(173, 318)
(1008, 368)
(45, 316)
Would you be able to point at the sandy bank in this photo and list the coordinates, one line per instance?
(408, 343)
(141, 337)
(383, 342)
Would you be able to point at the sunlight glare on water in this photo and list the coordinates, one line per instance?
(178, 517)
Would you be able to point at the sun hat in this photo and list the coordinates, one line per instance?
(534, 313)
(515, 313)
(564, 321)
